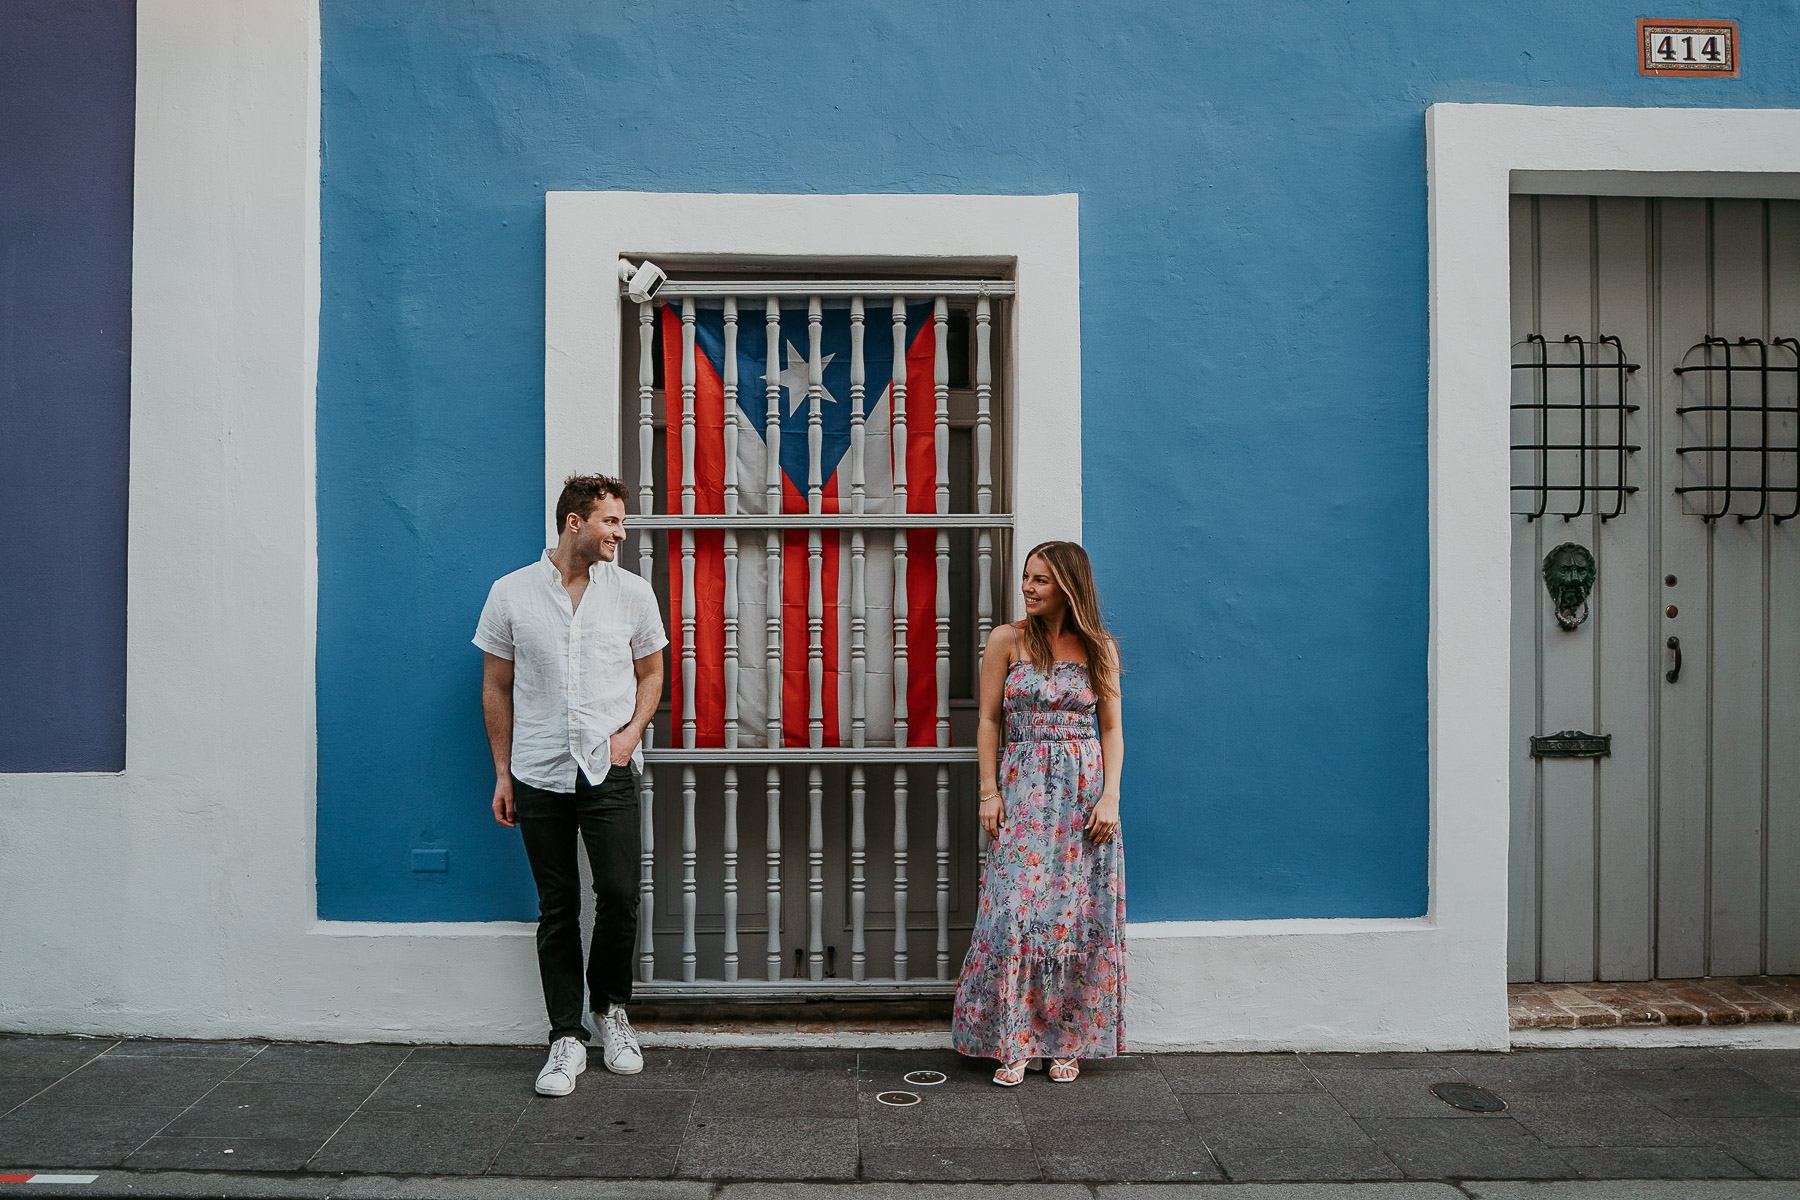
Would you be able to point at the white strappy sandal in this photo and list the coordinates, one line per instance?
(1013, 1074)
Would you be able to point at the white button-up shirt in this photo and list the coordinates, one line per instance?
(574, 685)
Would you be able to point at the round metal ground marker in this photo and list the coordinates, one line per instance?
(925, 1078)
(1468, 1097)
(897, 1099)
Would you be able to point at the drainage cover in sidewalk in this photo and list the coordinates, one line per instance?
(1468, 1097)
(925, 1078)
(897, 1099)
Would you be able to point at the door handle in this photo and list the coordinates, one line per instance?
(1674, 671)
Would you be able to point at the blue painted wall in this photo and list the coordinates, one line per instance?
(68, 72)
(1253, 354)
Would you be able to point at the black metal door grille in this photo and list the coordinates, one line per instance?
(1749, 443)
(1570, 455)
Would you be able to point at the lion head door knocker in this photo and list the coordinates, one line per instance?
(1569, 575)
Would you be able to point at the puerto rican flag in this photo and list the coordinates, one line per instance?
(920, 706)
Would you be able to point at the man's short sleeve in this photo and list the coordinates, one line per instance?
(648, 637)
(493, 633)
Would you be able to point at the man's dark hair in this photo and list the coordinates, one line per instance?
(581, 492)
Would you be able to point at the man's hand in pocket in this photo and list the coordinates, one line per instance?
(622, 744)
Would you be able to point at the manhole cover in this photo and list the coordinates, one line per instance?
(925, 1078)
(897, 1099)
(1468, 1097)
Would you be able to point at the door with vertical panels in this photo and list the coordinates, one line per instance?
(1655, 725)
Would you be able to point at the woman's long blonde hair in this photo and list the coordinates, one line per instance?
(1074, 577)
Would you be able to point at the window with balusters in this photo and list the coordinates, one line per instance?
(820, 500)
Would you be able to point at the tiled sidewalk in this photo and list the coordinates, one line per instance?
(318, 1111)
(1658, 1002)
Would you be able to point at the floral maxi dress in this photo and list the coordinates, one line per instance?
(1045, 973)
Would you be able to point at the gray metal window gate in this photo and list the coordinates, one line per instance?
(774, 863)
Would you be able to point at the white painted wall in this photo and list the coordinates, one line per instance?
(177, 897)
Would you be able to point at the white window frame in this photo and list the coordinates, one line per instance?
(587, 233)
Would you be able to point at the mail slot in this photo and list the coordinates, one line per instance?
(1571, 743)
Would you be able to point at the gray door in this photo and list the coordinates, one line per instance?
(1678, 853)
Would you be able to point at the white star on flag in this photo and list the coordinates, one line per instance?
(794, 379)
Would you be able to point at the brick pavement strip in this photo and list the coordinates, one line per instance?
(1747, 1000)
(247, 1119)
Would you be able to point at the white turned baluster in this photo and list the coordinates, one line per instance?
(772, 548)
(815, 873)
(731, 879)
(646, 408)
(772, 856)
(815, 541)
(943, 638)
(897, 440)
(687, 407)
(730, 436)
(647, 877)
(943, 872)
(815, 411)
(941, 442)
(689, 660)
(731, 640)
(900, 849)
(772, 625)
(772, 404)
(859, 598)
(646, 567)
(984, 477)
(690, 891)
(940, 382)
(646, 437)
(858, 885)
(730, 380)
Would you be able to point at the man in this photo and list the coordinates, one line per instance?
(571, 673)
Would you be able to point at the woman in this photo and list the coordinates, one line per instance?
(1045, 973)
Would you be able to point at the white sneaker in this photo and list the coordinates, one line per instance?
(568, 1058)
(618, 1044)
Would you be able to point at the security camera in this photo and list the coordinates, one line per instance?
(641, 283)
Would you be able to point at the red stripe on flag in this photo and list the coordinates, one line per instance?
(794, 583)
(15, 1179)
(921, 556)
(709, 546)
(796, 635)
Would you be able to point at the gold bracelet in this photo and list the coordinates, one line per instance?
(993, 795)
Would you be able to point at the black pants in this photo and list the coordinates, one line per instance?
(605, 815)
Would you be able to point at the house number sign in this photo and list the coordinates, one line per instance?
(1687, 47)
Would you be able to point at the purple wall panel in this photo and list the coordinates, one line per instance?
(67, 82)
